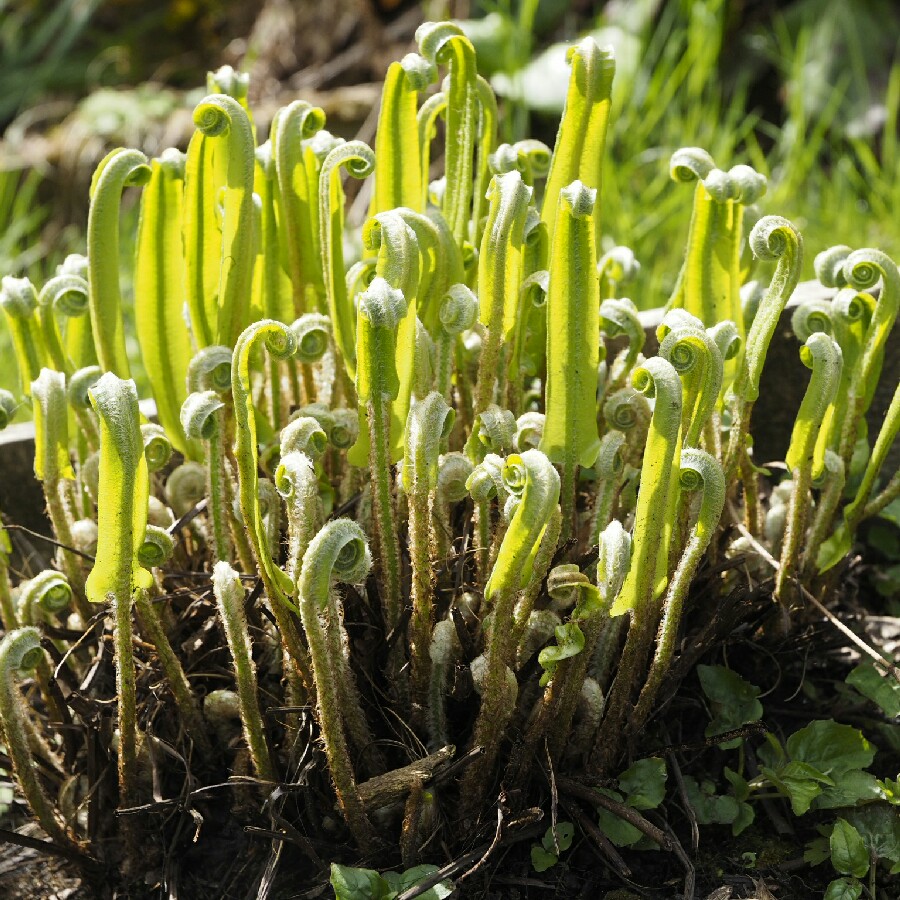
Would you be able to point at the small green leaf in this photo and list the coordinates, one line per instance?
(831, 748)
(851, 789)
(817, 851)
(400, 882)
(541, 860)
(711, 809)
(644, 783)
(843, 889)
(800, 782)
(620, 832)
(879, 826)
(565, 832)
(734, 701)
(350, 883)
(848, 850)
(882, 691)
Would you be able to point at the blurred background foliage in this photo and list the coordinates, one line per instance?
(806, 91)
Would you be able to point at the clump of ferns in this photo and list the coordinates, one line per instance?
(436, 500)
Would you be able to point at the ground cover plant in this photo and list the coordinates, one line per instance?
(425, 542)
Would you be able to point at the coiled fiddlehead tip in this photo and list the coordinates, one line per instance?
(486, 479)
(579, 198)
(529, 431)
(345, 430)
(157, 547)
(535, 287)
(339, 551)
(74, 264)
(619, 264)
(186, 487)
(20, 650)
(18, 297)
(419, 71)
(295, 468)
(304, 434)
(67, 293)
(121, 168)
(749, 185)
(50, 590)
(173, 161)
(8, 407)
(773, 237)
(458, 310)
(719, 186)
(383, 305)
(727, 338)
(863, 269)
(852, 305)
(433, 39)
(198, 414)
(496, 428)
(80, 384)
(654, 374)
(610, 458)
(624, 408)
(829, 266)
(278, 339)
(428, 424)
(454, 470)
(227, 80)
(210, 370)
(157, 446)
(356, 157)
(690, 164)
(215, 115)
(313, 333)
(810, 317)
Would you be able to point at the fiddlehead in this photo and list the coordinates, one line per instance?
(121, 519)
(47, 594)
(229, 595)
(771, 238)
(117, 170)
(210, 370)
(280, 342)
(221, 116)
(156, 548)
(359, 161)
(19, 302)
(581, 139)
(201, 421)
(458, 313)
(620, 317)
(65, 295)
(532, 480)
(499, 275)
(399, 179)
(863, 269)
(381, 309)
(615, 268)
(157, 446)
(429, 424)
(444, 43)
(696, 358)
(159, 292)
(338, 551)
(699, 471)
(292, 125)
(570, 430)
(806, 453)
(313, 334)
(20, 651)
